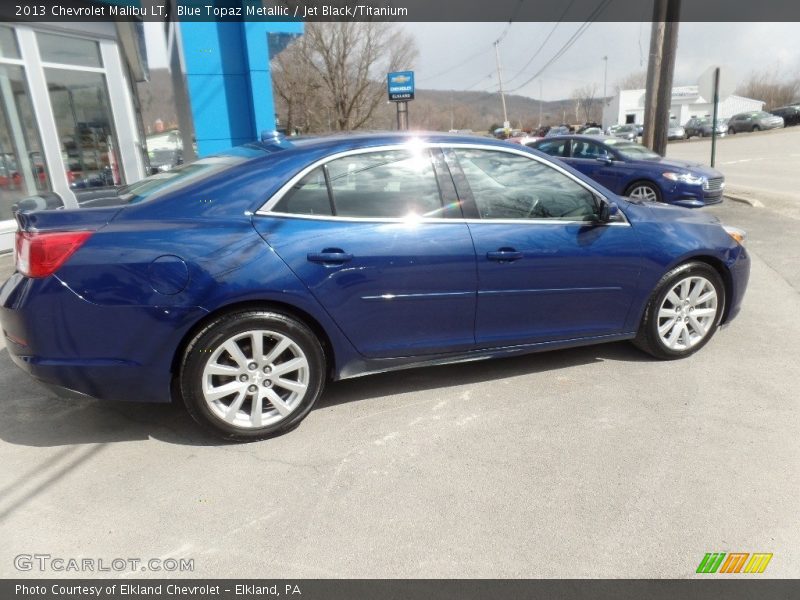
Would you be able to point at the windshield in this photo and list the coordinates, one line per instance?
(631, 150)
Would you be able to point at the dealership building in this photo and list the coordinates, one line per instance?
(67, 110)
(69, 115)
(628, 106)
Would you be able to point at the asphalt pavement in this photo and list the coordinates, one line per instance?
(592, 462)
(761, 167)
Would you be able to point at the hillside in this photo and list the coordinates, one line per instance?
(434, 110)
(443, 110)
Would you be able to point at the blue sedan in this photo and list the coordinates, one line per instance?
(632, 170)
(241, 283)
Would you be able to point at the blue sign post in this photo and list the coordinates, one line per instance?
(401, 89)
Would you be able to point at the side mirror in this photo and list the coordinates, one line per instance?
(608, 211)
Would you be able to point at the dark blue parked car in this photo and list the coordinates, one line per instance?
(632, 170)
(240, 283)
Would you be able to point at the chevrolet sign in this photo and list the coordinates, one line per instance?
(401, 86)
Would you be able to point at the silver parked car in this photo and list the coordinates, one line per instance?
(701, 126)
(754, 120)
(628, 132)
(676, 132)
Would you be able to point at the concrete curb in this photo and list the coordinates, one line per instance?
(744, 199)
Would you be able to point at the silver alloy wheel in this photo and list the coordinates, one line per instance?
(687, 313)
(255, 379)
(643, 192)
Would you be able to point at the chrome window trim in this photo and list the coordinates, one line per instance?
(266, 208)
(414, 221)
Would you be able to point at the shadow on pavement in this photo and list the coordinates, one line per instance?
(430, 378)
(33, 416)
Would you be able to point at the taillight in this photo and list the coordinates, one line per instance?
(39, 254)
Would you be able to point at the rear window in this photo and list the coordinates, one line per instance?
(175, 179)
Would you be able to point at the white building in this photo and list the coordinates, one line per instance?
(67, 113)
(628, 106)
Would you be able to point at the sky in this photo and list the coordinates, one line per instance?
(738, 48)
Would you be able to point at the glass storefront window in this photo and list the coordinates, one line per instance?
(22, 165)
(67, 50)
(85, 127)
(8, 43)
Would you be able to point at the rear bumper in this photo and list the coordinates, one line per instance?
(107, 352)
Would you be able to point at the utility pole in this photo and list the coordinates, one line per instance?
(506, 124)
(452, 117)
(605, 78)
(660, 70)
(541, 101)
(714, 118)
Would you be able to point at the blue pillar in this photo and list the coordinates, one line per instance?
(229, 81)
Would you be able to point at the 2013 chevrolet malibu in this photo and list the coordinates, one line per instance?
(240, 283)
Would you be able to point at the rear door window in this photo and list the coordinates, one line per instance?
(385, 184)
(553, 148)
(309, 196)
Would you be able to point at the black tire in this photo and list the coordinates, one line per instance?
(756, 128)
(646, 184)
(731, 131)
(199, 353)
(648, 338)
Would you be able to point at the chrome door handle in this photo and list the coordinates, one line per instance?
(504, 255)
(330, 256)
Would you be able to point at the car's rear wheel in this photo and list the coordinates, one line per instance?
(644, 190)
(683, 313)
(251, 375)
(756, 128)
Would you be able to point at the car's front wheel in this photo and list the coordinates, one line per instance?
(731, 130)
(251, 375)
(644, 190)
(683, 313)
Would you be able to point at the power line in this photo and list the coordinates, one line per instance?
(499, 39)
(510, 22)
(481, 80)
(547, 39)
(456, 66)
(568, 44)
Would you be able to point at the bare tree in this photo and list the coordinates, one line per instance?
(333, 77)
(297, 88)
(767, 85)
(587, 105)
(633, 81)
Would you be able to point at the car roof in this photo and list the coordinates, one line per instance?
(342, 142)
(579, 136)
